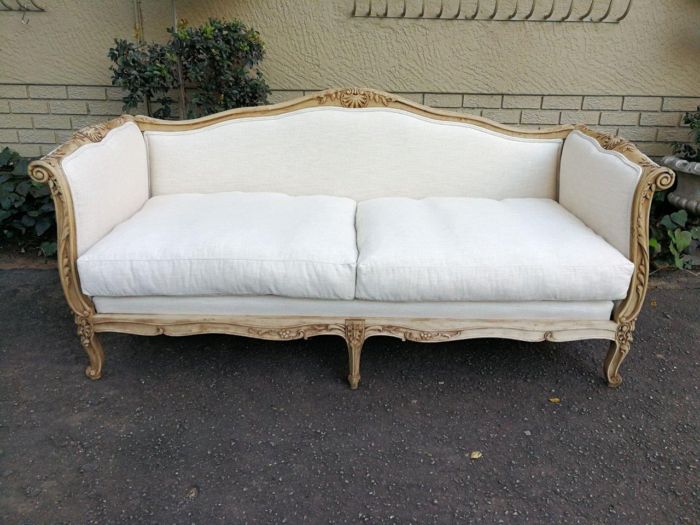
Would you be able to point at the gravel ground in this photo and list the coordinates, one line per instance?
(210, 429)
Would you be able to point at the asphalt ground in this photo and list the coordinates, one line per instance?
(214, 429)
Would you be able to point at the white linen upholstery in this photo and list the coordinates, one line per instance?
(355, 153)
(108, 182)
(272, 305)
(456, 249)
(230, 244)
(598, 187)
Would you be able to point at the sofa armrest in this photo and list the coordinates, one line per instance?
(609, 184)
(98, 179)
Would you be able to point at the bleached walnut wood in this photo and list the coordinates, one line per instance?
(353, 331)
(654, 178)
(349, 98)
(355, 338)
(48, 170)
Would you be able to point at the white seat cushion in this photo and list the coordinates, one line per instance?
(459, 249)
(228, 244)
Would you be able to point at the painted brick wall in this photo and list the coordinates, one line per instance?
(35, 118)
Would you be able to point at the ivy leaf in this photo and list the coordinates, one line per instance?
(681, 239)
(7, 157)
(42, 226)
(654, 245)
(48, 248)
(680, 218)
(695, 233)
(667, 222)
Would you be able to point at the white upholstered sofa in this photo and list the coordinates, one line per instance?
(355, 213)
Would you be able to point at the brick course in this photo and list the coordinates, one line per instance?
(580, 117)
(541, 116)
(561, 102)
(642, 103)
(681, 103)
(610, 103)
(47, 91)
(52, 122)
(482, 101)
(522, 101)
(623, 118)
(439, 100)
(34, 118)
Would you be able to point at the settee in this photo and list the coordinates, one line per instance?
(354, 213)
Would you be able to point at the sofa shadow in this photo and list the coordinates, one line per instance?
(323, 359)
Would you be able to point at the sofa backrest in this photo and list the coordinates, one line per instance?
(359, 153)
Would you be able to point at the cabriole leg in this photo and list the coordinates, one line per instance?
(92, 346)
(619, 348)
(355, 338)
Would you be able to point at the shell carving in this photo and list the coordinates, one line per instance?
(354, 98)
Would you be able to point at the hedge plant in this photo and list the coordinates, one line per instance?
(217, 62)
(690, 151)
(674, 234)
(26, 209)
(146, 73)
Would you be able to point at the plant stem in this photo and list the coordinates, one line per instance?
(181, 84)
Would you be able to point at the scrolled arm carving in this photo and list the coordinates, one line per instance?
(48, 171)
(654, 178)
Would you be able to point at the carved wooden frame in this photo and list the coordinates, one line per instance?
(354, 331)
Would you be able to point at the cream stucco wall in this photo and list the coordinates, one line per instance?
(636, 78)
(316, 43)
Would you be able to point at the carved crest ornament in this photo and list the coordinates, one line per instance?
(354, 98)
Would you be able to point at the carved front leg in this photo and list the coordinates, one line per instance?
(619, 349)
(92, 346)
(355, 338)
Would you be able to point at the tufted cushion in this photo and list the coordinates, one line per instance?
(457, 249)
(228, 244)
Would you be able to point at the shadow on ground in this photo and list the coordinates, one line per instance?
(215, 428)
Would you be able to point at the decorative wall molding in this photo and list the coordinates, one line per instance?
(20, 6)
(606, 12)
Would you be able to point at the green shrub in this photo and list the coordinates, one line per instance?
(691, 150)
(672, 238)
(146, 72)
(218, 66)
(26, 208)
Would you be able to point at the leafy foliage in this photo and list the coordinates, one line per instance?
(146, 72)
(26, 208)
(691, 150)
(672, 238)
(221, 57)
(218, 63)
